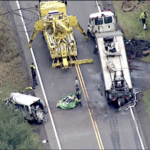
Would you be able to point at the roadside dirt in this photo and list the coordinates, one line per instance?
(39, 129)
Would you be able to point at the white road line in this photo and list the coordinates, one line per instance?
(45, 97)
(137, 129)
(132, 114)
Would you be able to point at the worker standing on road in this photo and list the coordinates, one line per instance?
(32, 67)
(95, 49)
(76, 83)
(78, 95)
(143, 17)
(34, 79)
(33, 71)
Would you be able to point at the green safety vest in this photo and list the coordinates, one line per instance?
(143, 15)
(78, 94)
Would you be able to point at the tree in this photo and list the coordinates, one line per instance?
(15, 133)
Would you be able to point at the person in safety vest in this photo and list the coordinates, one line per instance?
(95, 49)
(76, 83)
(78, 95)
(143, 17)
(32, 67)
(33, 71)
(34, 79)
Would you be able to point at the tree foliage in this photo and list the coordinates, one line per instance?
(15, 133)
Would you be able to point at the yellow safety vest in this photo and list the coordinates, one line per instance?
(143, 15)
(28, 88)
(32, 66)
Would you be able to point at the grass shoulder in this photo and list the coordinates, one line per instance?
(16, 133)
(129, 21)
(130, 24)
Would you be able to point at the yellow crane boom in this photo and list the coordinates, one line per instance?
(73, 22)
(57, 29)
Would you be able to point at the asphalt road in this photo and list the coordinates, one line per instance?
(74, 127)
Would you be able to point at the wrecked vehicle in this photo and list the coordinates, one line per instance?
(33, 108)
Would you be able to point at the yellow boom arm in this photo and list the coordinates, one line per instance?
(38, 27)
(62, 27)
(73, 22)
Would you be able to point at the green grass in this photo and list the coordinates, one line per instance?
(146, 99)
(12, 77)
(130, 24)
(146, 59)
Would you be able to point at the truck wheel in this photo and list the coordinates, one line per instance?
(121, 101)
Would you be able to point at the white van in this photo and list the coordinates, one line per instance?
(33, 107)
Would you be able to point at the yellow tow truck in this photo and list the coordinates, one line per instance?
(57, 29)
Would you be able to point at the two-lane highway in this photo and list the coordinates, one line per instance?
(95, 125)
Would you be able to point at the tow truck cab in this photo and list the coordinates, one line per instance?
(105, 21)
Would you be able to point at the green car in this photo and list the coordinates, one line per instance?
(68, 102)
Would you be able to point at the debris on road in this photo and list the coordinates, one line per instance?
(68, 102)
(133, 101)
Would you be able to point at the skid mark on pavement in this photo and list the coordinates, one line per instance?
(115, 137)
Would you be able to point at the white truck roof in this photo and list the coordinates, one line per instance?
(99, 14)
(23, 99)
(120, 62)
